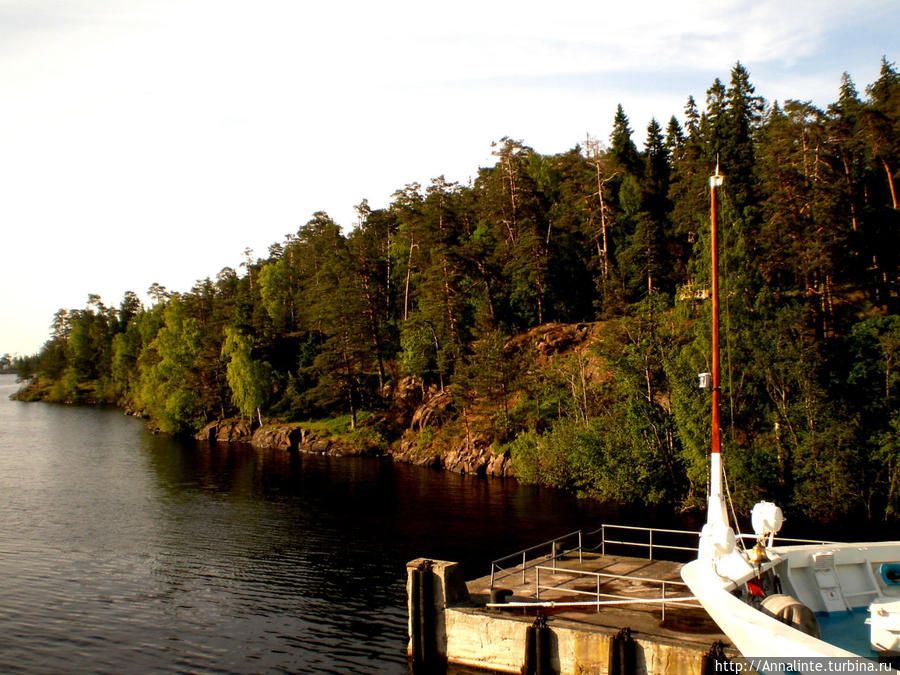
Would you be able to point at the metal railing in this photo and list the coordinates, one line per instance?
(651, 539)
(577, 542)
(555, 549)
(649, 544)
(601, 578)
(787, 541)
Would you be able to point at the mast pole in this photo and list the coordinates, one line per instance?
(717, 540)
(714, 182)
(716, 503)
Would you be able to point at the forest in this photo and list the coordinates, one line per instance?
(434, 288)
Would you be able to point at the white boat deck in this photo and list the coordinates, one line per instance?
(847, 630)
(838, 582)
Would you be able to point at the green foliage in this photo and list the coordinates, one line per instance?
(599, 459)
(248, 378)
(168, 387)
(448, 282)
(25, 367)
(888, 456)
(126, 350)
(276, 292)
(542, 458)
(417, 356)
(65, 389)
(490, 376)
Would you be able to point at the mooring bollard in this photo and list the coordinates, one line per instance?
(432, 586)
(622, 657)
(715, 658)
(423, 638)
(415, 607)
(537, 648)
(500, 596)
(426, 615)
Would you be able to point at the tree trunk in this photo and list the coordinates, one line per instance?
(373, 331)
(890, 178)
(850, 189)
(510, 172)
(350, 387)
(605, 258)
(448, 302)
(437, 349)
(408, 274)
(466, 422)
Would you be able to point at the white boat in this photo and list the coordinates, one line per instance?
(788, 607)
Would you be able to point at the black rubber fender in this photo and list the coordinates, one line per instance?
(789, 610)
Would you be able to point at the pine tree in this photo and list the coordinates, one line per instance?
(599, 203)
(742, 116)
(882, 123)
(843, 128)
(369, 252)
(572, 216)
(334, 308)
(509, 203)
(713, 124)
(657, 170)
(691, 167)
(621, 148)
(802, 189)
(674, 137)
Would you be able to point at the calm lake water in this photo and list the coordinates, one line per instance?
(121, 551)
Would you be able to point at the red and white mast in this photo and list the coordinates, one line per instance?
(717, 538)
(716, 503)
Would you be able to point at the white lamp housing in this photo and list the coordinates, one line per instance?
(766, 518)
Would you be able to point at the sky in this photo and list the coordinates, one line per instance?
(153, 141)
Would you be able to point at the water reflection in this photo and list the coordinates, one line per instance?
(120, 550)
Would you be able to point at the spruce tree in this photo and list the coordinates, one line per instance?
(742, 116)
(621, 148)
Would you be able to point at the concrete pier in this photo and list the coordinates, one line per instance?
(671, 638)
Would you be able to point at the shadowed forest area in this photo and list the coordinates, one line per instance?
(434, 288)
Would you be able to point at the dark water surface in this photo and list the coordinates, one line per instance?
(121, 551)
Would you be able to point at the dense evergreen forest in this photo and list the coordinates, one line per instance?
(435, 286)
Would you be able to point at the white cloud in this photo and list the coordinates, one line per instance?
(153, 141)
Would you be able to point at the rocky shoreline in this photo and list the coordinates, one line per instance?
(418, 424)
(290, 437)
(477, 460)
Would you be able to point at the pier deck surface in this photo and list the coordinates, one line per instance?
(690, 624)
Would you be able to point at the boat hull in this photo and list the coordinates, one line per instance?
(756, 635)
(834, 578)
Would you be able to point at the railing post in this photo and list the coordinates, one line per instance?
(664, 601)
(523, 567)
(598, 593)
(580, 547)
(537, 583)
(493, 567)
(603, 539)
(651, 544)
(553, 550)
